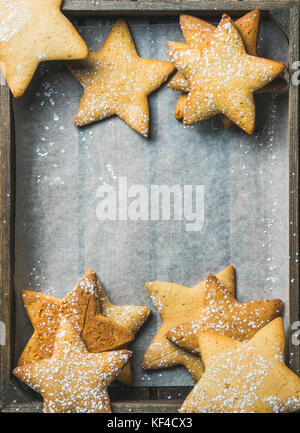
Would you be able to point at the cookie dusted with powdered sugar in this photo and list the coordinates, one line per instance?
(198, 34)
(32, 32)
(223, 77)
(117, 81)
(222, 313)
(82, 308)
(175, 302)
(245, 377)
(73, 380)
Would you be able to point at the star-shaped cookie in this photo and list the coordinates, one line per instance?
(222, 313)
(174, 304)
(131, 317)
(73, 380)
(32, 32)
(198, 34)
(223, 77)
(245, 377)
(83, 309)
(117, 81)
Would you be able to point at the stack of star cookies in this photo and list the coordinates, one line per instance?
(218, 71)
(234, 350)
(71, 357)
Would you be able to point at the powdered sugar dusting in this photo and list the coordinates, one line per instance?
(278, 405)
(73, 380)
(157, 302)
(223, 78)
(117, 81)
(240, 381)
(222, 313)
(14, 15)
(82, 308)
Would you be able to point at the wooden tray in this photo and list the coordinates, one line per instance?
(148, 399)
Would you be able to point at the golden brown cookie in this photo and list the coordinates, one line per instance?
(198, 34)
(175, 302)
(245, 377)
(32, 32)
(73, 380)
(222, 313)
(117, 81)
(131, 317)
(82, 308)
(223, 78)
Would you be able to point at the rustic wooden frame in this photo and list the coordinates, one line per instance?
(145, 399)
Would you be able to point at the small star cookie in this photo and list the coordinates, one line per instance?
(176, 303)
(222, 313)
(82, 308)
(117, 81)
(73, 380)
(223, 77)
(245, 377)
(32, 32)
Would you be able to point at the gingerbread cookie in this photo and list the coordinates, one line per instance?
(175, 302)
(82, 308)
(117, 81)
(222, 313)
(73, 380)
(245, 377)
(198, 34)
(223, 77)
(32, 32)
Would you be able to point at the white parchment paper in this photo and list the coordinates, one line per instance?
(60, 168)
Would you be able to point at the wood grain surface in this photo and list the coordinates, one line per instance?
(6, 237)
